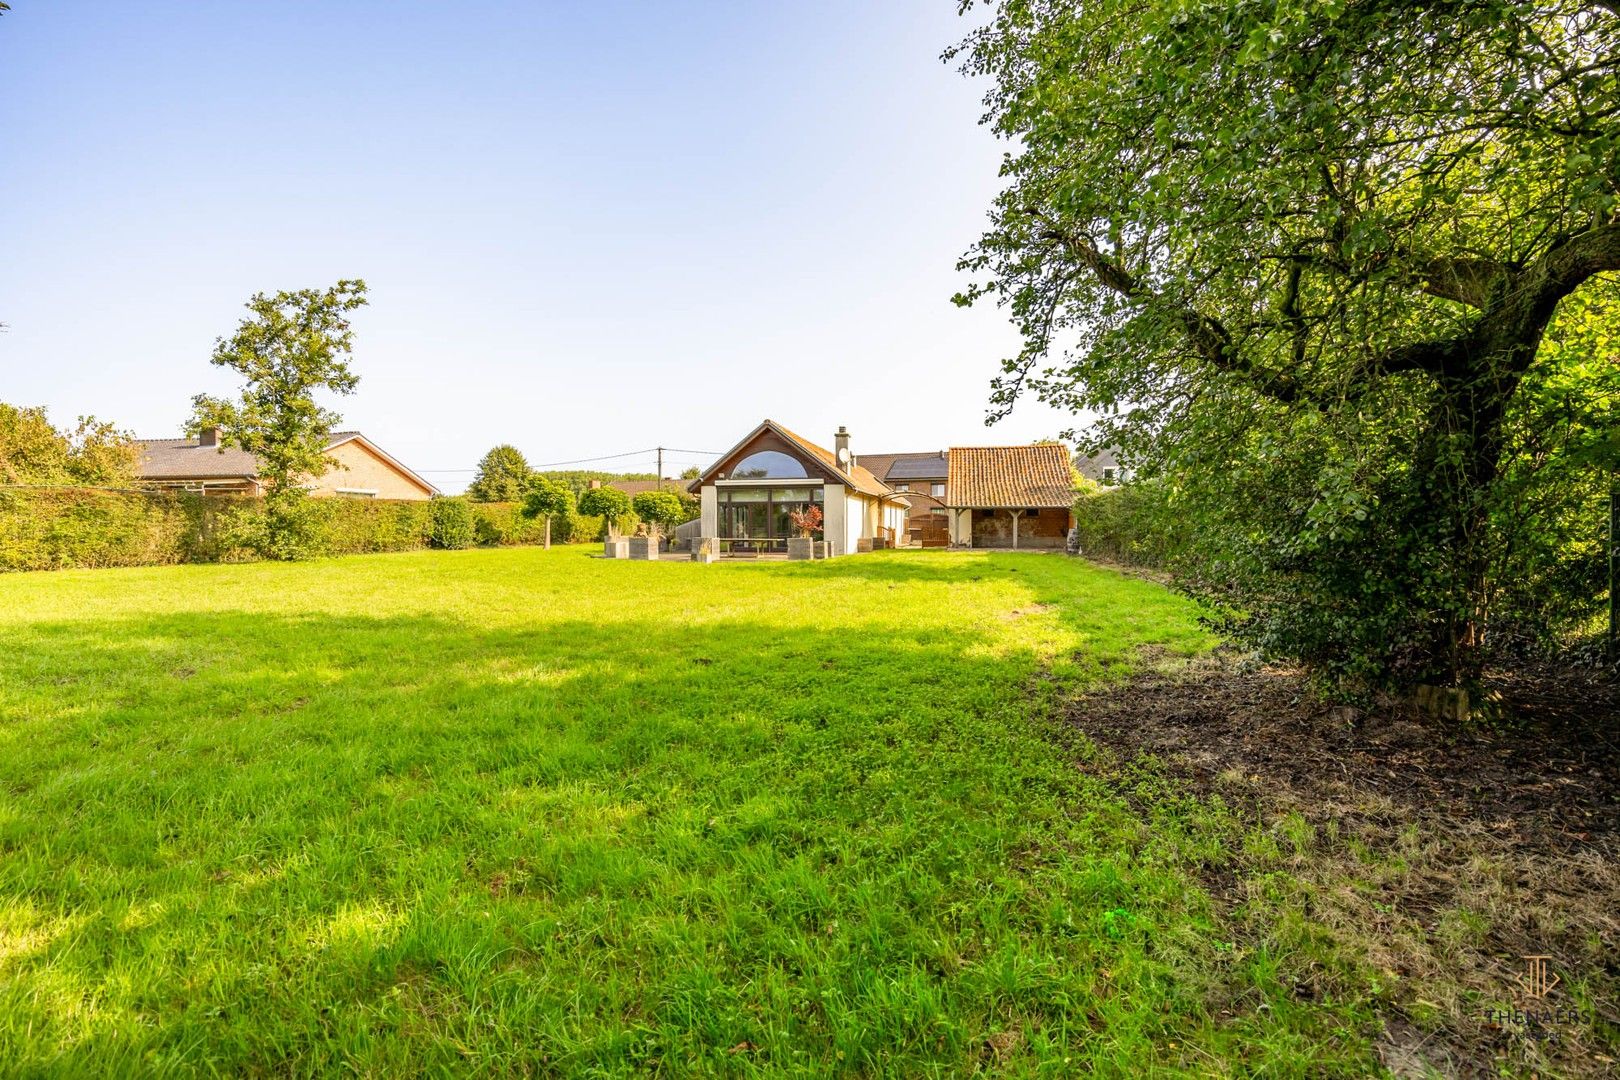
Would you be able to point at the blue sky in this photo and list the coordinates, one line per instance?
(588, 228)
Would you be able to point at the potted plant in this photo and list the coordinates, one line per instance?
(807, 521)
(661, 511)
(611, 504)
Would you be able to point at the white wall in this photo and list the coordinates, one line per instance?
(856, 519)
(709, 510)
(833, 511)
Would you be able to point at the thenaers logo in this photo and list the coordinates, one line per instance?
(1537, 980)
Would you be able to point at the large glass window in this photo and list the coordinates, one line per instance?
(762, 516)
(769, 465)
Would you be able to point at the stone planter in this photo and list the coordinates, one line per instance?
(616, 549)
(644, 548)
(823, 549)
(705, 549)
(801, 547)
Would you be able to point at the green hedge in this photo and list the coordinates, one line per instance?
(1133, 524)
(59, 528)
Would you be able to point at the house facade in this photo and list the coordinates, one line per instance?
(747, 498)
(363, 470)
(984, 497)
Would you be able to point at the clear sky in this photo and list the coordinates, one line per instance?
(588, 228)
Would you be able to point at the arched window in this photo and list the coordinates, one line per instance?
(769, 465)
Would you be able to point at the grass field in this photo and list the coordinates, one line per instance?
(515, 811)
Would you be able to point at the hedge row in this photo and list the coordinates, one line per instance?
(59, 528)
(1133, 524)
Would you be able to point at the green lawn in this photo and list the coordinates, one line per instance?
(514, 811)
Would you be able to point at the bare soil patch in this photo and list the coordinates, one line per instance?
(1441, 856)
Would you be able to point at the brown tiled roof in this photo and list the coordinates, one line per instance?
(860, 478)
(1010, 476)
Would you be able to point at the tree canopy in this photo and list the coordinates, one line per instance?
(503, 475)
(34, 451)
(290, 347)
(663, 509)
(547, 498)
(609, 503)
(1316, 247)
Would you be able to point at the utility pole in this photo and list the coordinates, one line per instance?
(660, 468)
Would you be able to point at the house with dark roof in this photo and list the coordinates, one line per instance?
(977, 496)
(361, 469)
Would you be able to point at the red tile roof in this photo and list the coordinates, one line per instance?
(1010, 476)
(859, 477)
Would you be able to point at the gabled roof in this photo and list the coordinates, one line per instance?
(917, 465)
(859, 478)
(1093, 465)
(188, 459)
(995, 477)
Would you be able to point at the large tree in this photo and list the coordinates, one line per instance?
(291, 347)
(1313, 245)
(503, 476)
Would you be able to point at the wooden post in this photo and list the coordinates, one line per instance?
(1015, 514)
(548, 532)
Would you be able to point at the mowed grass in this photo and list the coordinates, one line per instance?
(522, 812)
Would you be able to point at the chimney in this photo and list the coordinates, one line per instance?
(841, 447)
(595, 483)
(208, 436)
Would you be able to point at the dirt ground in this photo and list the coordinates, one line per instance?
(1445, 856)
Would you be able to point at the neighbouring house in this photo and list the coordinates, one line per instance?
(979, 496)
(363, 470)
(1103, 467)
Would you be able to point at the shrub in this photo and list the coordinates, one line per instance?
(58, 528)
(33, 451)
(1131, 524)
(451, 524)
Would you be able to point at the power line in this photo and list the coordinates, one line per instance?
(648, 453)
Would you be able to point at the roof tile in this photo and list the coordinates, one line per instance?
(1010, 476)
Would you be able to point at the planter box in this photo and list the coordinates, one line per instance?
(644, 548)
(705, 549)
(823, 549)
(801, 547)
(616, 549)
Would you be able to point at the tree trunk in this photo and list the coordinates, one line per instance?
(1457, 467)
(548, 532)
